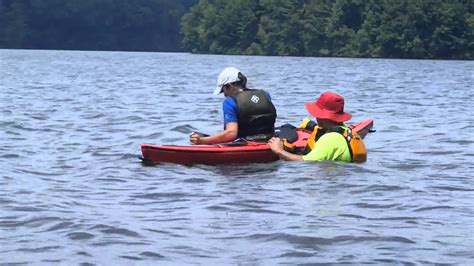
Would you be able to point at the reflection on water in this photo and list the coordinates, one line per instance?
(73, 190)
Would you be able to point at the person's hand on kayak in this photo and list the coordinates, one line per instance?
(195, 138)
(275, 144)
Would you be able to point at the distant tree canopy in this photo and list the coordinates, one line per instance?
(145, 25)
(442, 29)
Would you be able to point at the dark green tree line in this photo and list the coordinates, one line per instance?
(441, 29)
(145, 25)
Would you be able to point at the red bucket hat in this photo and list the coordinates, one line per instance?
(329, 106)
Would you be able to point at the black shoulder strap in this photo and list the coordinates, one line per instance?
(320, 133)
(348, 138)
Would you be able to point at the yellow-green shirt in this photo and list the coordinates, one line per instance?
(330, 147)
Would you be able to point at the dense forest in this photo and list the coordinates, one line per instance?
(442, 29)
(144, 25)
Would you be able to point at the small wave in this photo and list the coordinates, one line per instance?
(83, 253)
(396, 218)
(374, 206)
(51, 261)
(130, 257)
(40, 249)
(432, 208)
(111, 243)
(133, 118)
(373, 188)
(32, 223)
(28, 209)
(40, 173)
(217, 208)
(191, 251)
(94, 116)
(396, 262)
(166, 232)
(409, 165)
(127, 156)
(259, 211)
(296, 254)
(13, 133)
(452, 188)
(462, 142)
(151, 254)
(10, 156)
(250, 203)
(436, 152)
(41, 118)
(59, 226)
(196, 180)
(155, 135)
(353, 216)
(162, 195)
(171, 140)
(80, 236)
(115, 230)
(121, 231)
(111, 180)
(302, 180)
(308, 240)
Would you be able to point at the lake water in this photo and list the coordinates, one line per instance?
(72, 189)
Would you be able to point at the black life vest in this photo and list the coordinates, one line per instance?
(256, 113)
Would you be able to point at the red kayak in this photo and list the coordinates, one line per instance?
(228, 153)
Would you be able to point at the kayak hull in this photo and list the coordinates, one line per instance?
(227, 153)
(208, 154)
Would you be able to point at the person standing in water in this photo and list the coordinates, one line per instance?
(330, 139)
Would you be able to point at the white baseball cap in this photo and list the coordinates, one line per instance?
(227, 76)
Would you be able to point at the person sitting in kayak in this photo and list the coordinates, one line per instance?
(248, 114)
(330, 139)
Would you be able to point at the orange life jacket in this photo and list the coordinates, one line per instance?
(354, 141)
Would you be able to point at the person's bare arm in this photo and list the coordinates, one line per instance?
(227, 135)
(277, 147)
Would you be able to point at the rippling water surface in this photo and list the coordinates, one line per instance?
(73, 191)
